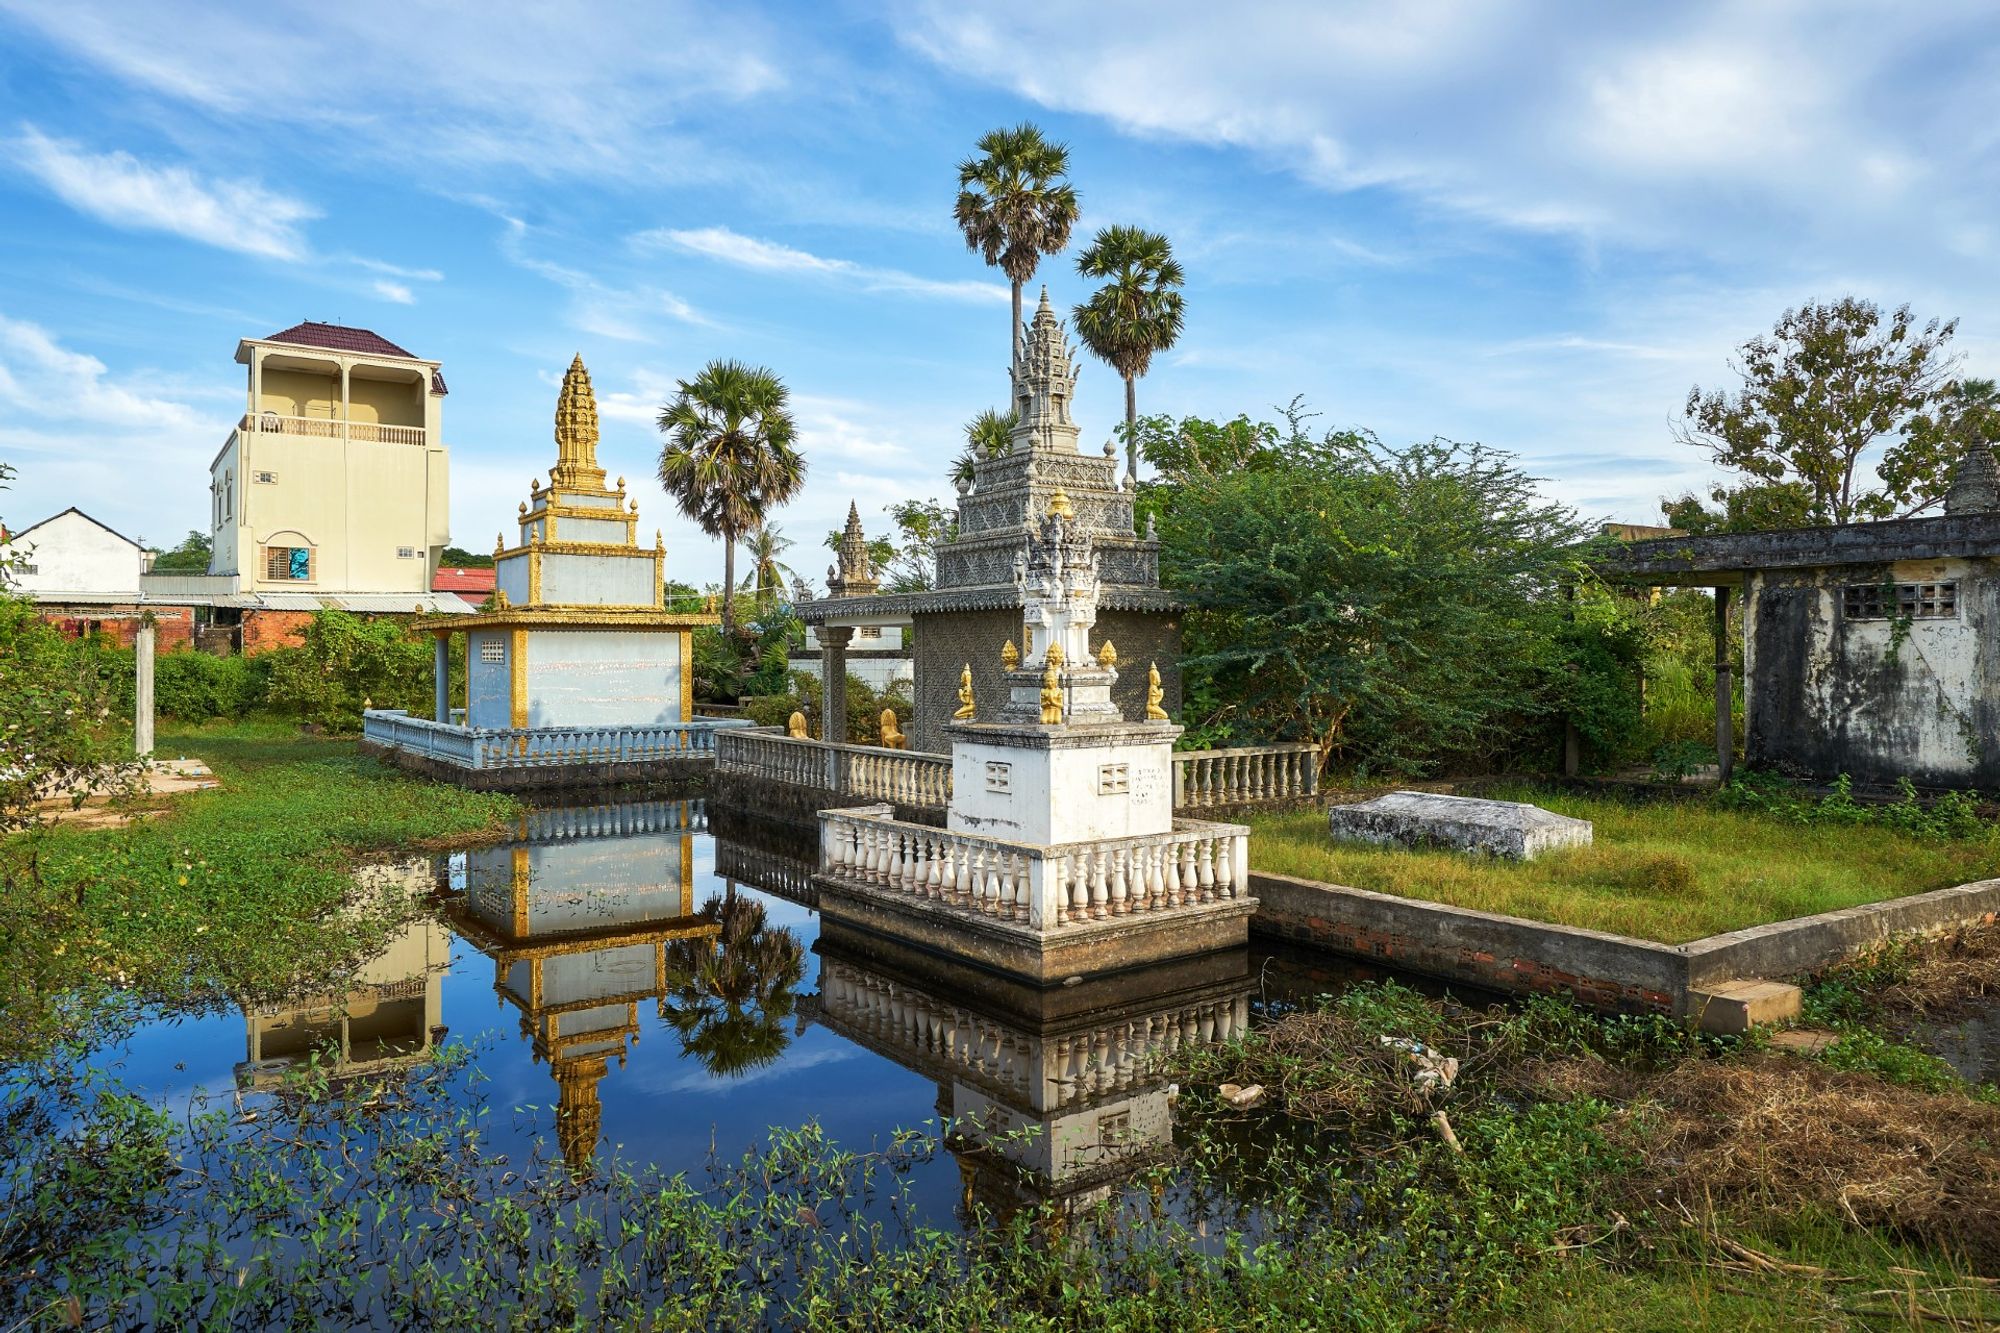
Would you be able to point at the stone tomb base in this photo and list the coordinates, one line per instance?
(1423, 819)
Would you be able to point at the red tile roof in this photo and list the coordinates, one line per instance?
(462, 581)
(339, 338)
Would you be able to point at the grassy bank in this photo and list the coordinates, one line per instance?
(240, 891)
(1666, 870)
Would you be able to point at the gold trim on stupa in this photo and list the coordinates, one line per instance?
(576, 433)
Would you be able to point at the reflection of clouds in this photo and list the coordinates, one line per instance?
(796, 1060)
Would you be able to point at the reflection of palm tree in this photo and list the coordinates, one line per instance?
(729, 998)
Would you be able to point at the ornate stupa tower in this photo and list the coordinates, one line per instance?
(854, 575)
(577, 633)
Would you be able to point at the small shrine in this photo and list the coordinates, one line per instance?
(576, 659)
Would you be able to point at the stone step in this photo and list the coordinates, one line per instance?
(1729, 1008)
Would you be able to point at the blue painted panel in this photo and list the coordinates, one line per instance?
(510, 575)
(610, 531)
(603, 678)
(491, 683)
(598, 580)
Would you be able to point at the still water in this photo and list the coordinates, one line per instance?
(636, 983)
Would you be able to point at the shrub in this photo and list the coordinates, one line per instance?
(195, 687)
(864, 707)
(345, 660)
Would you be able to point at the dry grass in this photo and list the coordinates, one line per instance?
(1779, 1133)
(1943, 977)
(1667, 871)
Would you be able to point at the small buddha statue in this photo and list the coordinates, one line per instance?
(966, 712)
(1154, 694)
(1052, 690)
(795, 726)
(892, 734)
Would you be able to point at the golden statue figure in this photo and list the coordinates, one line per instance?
(892, 734)
(1060, 506)
(1154, 694)
(795, 726)
(1052, 690)
(966, 712)
(1010, 656)
(1107, 656)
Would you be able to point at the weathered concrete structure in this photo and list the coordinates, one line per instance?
(1869, 649)
(1510, 829)
(978, 599)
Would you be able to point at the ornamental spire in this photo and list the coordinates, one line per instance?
(576, 433)
(855, 576)
(1044, 385)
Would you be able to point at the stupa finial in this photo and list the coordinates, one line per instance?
(576, 432)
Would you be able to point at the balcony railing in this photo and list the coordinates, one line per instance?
(486, 748)
(1044, 889)
(1252, 775)
(327, 428)
(864, 771)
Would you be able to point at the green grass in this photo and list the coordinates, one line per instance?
(1671, 871)
(243, 890)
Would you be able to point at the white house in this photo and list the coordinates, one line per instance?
(74, 553)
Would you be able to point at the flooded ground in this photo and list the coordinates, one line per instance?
(635, 984)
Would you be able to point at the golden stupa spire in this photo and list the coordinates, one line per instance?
(576, 433)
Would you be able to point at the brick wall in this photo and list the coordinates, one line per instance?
(173, 626)
(265, 630)
(947, 642)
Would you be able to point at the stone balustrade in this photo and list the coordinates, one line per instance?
(1251, 775)
(487, 748)
(1044, 1071)
(330, 428)
(865, 771)
(561, 823)
(1044, 890)
(773, 872)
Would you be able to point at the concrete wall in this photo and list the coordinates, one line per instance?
(880, 672)
(609, 531)
(945, 642)
(597, 580)
(510, 575)
(71, 553)
(1829, 694)
(489, 683)
(603, 678)
(305, 393)
(1053, 796)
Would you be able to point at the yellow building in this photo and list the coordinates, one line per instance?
(335, 480)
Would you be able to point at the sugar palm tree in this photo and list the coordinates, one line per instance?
(728, 999)
(1015, 206)
(988, 435)
(767, 571)
(729, 457)
(1136, 313)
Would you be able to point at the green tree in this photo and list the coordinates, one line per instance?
(1137, 313)
(347, 660)
(729, 456)
(768, 571)
(457, 557)
(1015, 205)
(1755, 507)
(1398, 607)
(990, 434)
(190, 557)
(1830, 386)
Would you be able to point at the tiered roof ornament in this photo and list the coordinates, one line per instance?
(854, 576)
(576, 433)
(1044, 385)
(1975, 485)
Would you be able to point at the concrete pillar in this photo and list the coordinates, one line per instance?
(833, 641)
(1725, 733)
(441, 687)
(142, 712)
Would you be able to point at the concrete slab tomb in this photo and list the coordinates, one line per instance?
(1425, 819)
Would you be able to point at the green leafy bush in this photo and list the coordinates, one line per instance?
(345, 660)
(1953, 817)
(864, 707)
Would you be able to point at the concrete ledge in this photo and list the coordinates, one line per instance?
(1608, 972)
(674, 773)
(1072, 951)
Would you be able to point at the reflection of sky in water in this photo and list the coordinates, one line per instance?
(662, 1107)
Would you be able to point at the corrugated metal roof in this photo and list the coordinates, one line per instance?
(275, 601)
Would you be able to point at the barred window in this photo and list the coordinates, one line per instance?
(1914, 601)
(267, 478)
(1114, 779)
(288, 562)
(492, 650)
(869, 632)
(406, 553)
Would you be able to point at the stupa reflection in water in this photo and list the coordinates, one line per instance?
(386, 1018)
(589, 913)
(1053, 1094)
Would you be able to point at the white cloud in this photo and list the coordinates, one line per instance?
(598, 307)
(119, 189)
(748, 252)
(393, 291)
(42, 378)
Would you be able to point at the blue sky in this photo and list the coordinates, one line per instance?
(1530, 225)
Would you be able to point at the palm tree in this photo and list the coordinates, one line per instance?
(728, 999)
(729, 457)
(1015, 206)
(1137, 313)
(988, 435)
(767, 571)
